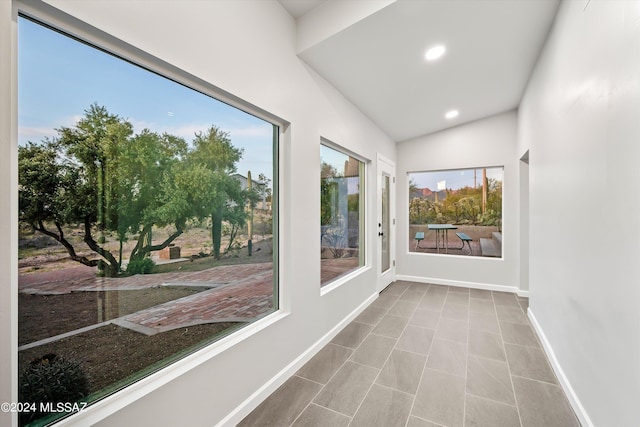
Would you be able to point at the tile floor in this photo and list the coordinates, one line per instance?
(422, 356)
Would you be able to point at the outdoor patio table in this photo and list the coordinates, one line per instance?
(442, 228)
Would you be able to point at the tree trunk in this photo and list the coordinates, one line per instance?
(144, 247)
(232, 236)
(216, 232)
(111, 266)
(64, 242)
(120, 238)
(138, 251)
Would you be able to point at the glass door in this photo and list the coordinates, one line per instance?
(385, 223)
(385, 262)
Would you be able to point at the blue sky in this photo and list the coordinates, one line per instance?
(333, 157)
(453, 179)
(59, 78)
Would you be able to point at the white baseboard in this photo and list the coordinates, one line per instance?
(574, 401)
(272, 385)
(458, 283)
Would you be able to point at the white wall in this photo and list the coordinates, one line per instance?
(523, 219)
(331, 17)
(488, 142)
(246, 48)
(580, 120)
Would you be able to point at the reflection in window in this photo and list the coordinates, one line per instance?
(341, 214)
(148, 221)
(456, 212)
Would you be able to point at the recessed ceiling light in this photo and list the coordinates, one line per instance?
(435, 52)
(452, 114)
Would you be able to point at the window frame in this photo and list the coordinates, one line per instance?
(70, 26)
(463, 255)
(364, 250)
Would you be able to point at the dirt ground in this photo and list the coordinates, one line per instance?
(262, 252)
(40, 253)
(43, 316)
(111, 354)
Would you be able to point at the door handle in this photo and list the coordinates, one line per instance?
(380, 233)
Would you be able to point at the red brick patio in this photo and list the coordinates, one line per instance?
(239, 293)
(236, 293)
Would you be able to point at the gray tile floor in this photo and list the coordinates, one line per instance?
(422, 356)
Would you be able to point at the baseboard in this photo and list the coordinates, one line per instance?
(574, 401)
(272, 385)
(462, 284)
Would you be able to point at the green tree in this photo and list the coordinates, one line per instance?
(85, 161)
(150, 161)
(100, 176)
(328, 194)
(223, 199)
(47, 193)
(236, 214)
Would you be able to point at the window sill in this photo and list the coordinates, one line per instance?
(452, 256)
(341, 280)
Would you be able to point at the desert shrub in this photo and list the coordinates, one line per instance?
(265, 225)
(141, 266)
(490, 217)
(53, 379)
(336, 242)
(233, 251)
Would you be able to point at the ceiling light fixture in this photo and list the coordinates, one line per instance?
(435, 52)
(452, 114)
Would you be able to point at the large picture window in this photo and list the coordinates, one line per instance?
(341, 214)
(456, 212)
(148, 221)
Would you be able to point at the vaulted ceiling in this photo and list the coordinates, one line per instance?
(373, 52)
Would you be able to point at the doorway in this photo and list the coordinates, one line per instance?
(386, 221)
(524, 222)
